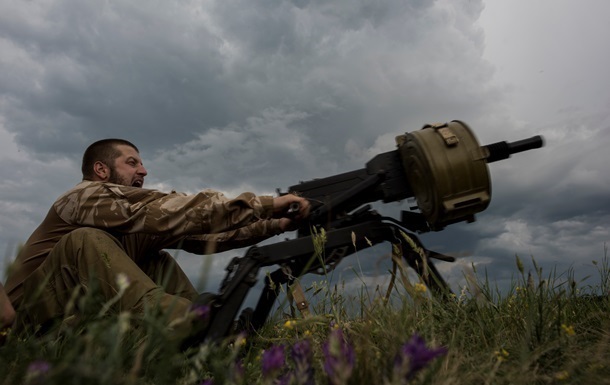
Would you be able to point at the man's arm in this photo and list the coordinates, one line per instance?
(234, 239)
(134, 210)
(247, 235)
(127, 209)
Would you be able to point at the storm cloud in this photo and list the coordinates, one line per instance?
(258, 95)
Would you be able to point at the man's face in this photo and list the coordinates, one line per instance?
(128, 169)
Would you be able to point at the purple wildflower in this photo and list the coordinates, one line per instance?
(207, 382)
(339, 358)
(39, 367)
(414, 356)
(302, 355)
(37, 371)
(286, 379)
(201, 311)
(273, 359)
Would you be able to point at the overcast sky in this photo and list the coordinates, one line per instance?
(242, 95)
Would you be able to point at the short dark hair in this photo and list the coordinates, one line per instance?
(104, 151)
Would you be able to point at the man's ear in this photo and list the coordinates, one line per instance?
(102, 172)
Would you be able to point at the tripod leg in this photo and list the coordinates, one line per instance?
(418, 259)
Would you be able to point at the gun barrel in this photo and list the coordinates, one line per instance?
(442, 166)
(503, 150)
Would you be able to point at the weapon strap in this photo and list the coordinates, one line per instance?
(297, 293)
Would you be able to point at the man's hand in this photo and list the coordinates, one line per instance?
(287, 224)
(290, 206)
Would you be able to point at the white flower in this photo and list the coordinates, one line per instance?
(122, 281)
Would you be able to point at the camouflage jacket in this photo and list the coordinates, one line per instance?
(146, 221)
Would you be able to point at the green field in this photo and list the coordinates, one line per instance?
(544, 330)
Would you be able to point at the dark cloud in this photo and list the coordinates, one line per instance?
(162, 74)
(239, 95)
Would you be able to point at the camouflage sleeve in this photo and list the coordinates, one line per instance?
(243, 237)
(129, 209)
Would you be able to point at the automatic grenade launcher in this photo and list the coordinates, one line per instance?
(442, 166)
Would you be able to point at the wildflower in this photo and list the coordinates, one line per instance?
(207, 382)
(339, 358)
(122, 281)
(562, 376)
(414, 356)
(301, 352)
(37, 372)
(420, 288)
(272, 360)
(39, 367)
(290, 324)
(569, 330)
(501, 355)
(201, 311)
(301, 355)
(123, 322)
(240, 340)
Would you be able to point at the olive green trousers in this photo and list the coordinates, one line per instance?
(91, 264)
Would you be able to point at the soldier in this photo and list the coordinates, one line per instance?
(108, 234)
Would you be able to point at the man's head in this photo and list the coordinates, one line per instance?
(115, 161)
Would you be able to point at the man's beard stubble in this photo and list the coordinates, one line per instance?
(115, 178)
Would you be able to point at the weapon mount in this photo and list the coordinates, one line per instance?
(442, 166)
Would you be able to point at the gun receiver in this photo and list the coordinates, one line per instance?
(442, 166)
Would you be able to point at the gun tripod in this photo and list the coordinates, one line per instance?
(298, 257)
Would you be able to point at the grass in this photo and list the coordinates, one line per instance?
(544, 330)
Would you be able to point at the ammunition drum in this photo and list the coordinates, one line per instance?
(447, 171)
